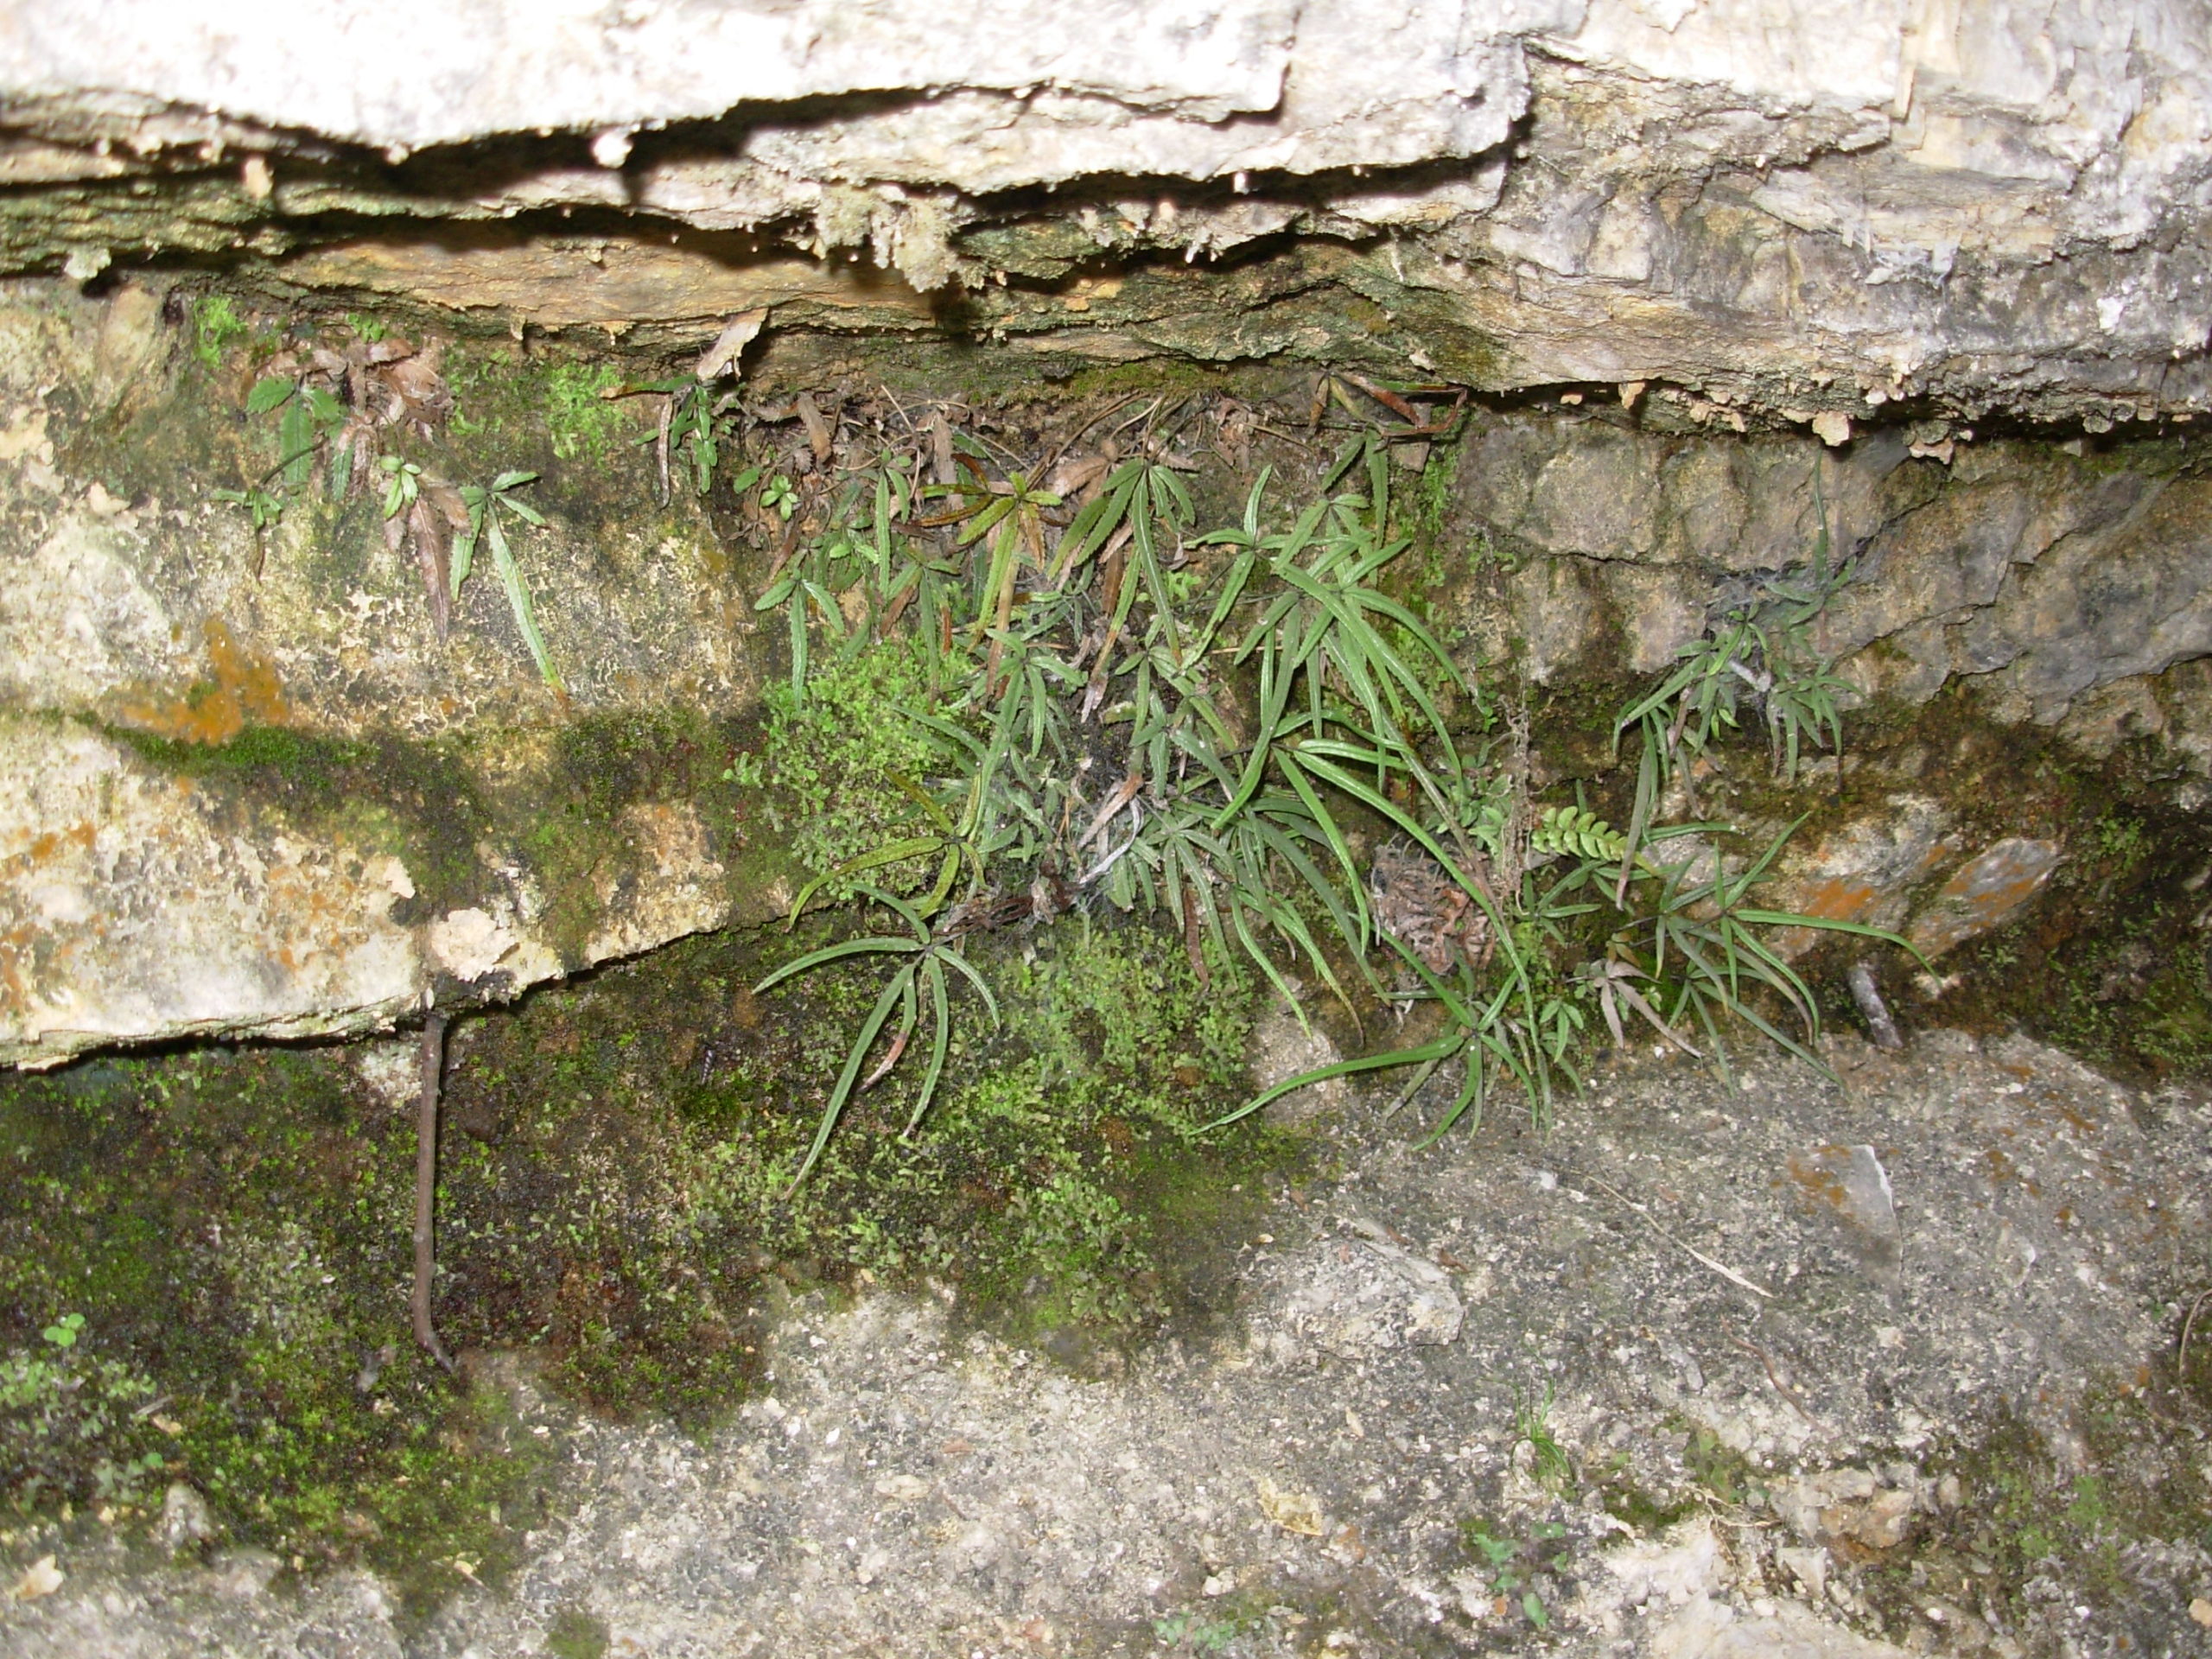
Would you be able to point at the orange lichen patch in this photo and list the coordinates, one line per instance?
(243, 689)
(1833, 899)
(1840, 898)
(15, 956)
(1818, 1177)
(1984, 892)
(42, 846)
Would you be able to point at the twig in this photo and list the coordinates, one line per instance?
(1780, 1387)
(2181, 1363)
(660, 442)
(1871, 1006)
(426, 1184)
(1727, 1273)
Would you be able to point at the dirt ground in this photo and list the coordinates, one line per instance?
(1921, 1363)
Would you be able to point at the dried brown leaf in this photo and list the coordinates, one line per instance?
(721, 357)
(418, 384)
(431, 531)
(1075, 479)
(1294, 1511)
(817, 429)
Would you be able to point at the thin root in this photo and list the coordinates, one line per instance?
(426, 1185)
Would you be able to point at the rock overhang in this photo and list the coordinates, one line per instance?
(1797, 209)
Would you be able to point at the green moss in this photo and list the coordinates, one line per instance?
(2031, 1520)
(2108, 961)
(1043, 250)
(1119, 1021)
(510, 408)
(1718, 1467)
(837, 757)
(579, 420)
(1056, 1183)
(216, 326)
(231, 1226)
(1647, 1511)
(305, 765)
(613, 759)
(73, 1423)
(576, 1635)
(557, 806)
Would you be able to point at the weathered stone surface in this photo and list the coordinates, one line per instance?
(1354, 1301)
(130, 908)
(1985, 893)
(139, 901)
(424, 75)
(1772, 206)
(405, 818)
(609, 286)
(161, 611)
(539, 833)
(1865, 871)
(2037, 573)
(1711, 1630)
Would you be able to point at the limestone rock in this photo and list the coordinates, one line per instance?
(1355, 1298)
(2040, 575)
(1710, 1630)
(133, 909)
(1985, 892)
(1283, 1049)
(1865, 871)
(1765, 205)
(186, 1521)
(1860, 1507)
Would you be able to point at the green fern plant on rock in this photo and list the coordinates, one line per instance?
(1104, 709)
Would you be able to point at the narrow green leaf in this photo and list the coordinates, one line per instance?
(1440, 1049)
(932, 971)
(464, 553)
(297, 437)
(503, 561)
(893, 993)
(877, 944)
(955, 959)
(874, 859)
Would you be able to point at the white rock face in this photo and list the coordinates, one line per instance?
(1985, 200)
(137, 906)
(421, 73)
(129, 907)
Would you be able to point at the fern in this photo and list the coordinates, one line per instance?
(1576, 832)
(1082, 747)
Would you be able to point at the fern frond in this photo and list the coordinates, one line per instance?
(1577, 832)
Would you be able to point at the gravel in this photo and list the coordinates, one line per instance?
(1712, 1369)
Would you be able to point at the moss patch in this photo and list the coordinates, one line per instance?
(619, 1154)
(232, 1227)
(547, 414)
(2030, 1521)
(839, 761)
